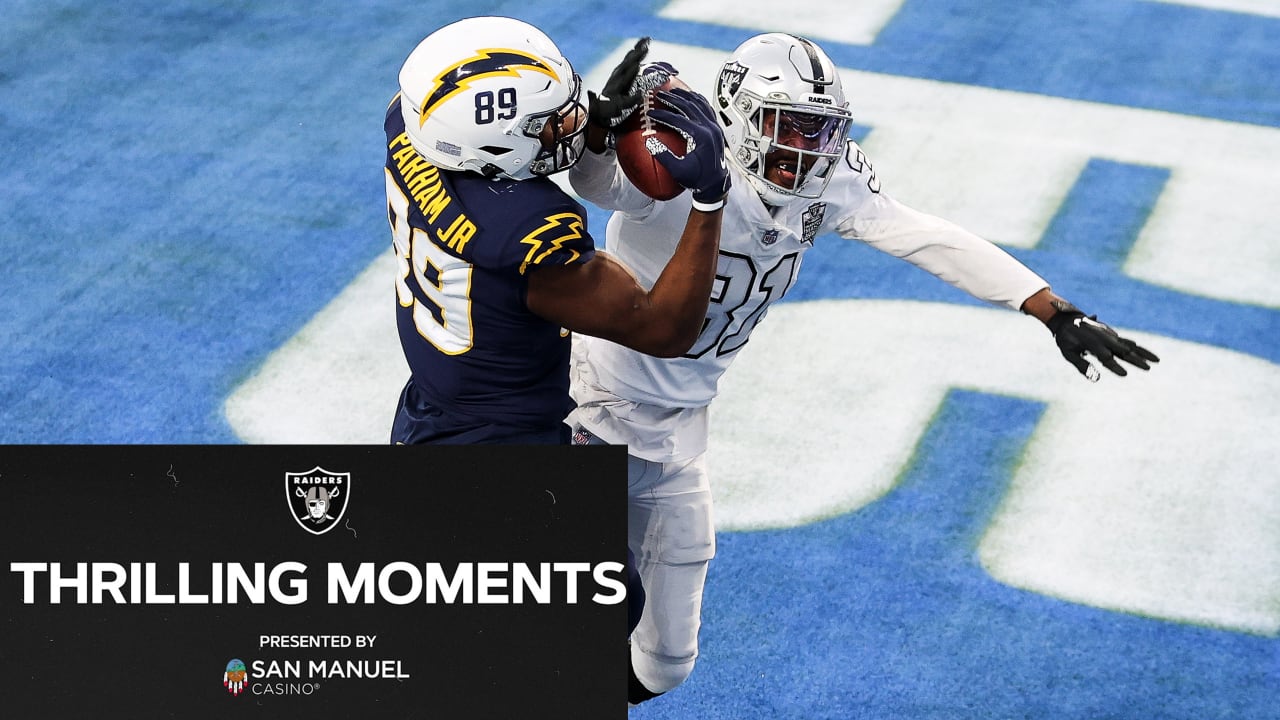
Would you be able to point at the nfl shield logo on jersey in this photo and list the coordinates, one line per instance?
(317, 498)
(770, 237)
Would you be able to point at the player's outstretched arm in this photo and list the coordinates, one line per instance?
(602, 298)
(1079, 336)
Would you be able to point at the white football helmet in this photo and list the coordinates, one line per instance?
(781, 94)
(477, 94)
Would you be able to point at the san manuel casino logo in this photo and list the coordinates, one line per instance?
(235, 677)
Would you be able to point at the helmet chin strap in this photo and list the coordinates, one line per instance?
(768, 194)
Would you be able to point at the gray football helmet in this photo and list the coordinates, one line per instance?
(784, 114)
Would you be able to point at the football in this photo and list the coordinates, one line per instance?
(632, 145)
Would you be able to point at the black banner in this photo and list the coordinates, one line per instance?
(309, 581)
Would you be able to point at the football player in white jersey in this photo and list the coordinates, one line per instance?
(795, 176)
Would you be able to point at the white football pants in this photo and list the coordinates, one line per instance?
(671, 531)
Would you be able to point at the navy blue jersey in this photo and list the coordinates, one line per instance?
(466, 246)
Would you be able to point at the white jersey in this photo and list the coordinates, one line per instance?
(658, 406)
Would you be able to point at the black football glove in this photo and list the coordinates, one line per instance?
(619, 98)
(1078, 335)
(701, 169)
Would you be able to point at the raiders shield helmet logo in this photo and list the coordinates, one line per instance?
(730, 80)
(317, 498)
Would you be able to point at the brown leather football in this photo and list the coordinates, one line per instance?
(633, 143)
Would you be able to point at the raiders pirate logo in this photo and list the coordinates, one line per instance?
(317, 498)
(812, 220)
(730, 80)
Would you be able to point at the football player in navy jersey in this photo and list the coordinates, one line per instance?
(496, 266)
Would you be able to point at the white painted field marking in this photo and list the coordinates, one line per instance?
(855, 23)
(1269, 8)
(1156, 493)
(338, 379)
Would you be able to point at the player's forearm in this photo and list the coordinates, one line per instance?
(680, 296)
(599, 180)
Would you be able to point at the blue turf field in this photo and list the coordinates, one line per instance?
(186, 184)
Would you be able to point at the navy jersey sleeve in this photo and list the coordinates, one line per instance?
(546, 227)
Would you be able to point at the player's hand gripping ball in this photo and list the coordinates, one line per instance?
(642, 137)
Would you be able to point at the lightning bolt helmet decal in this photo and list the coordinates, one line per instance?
(490, 62)
(478, 94)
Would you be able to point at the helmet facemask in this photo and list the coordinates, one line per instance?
(796, 147)
(560, 150)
